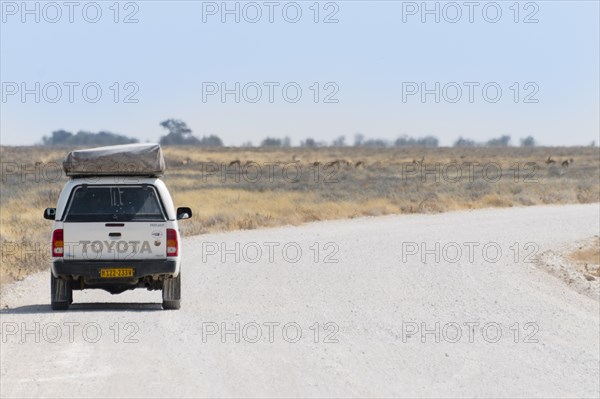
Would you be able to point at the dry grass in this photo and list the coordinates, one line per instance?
(363, 182)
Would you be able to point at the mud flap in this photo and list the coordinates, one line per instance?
(171, 292)
(61, 293)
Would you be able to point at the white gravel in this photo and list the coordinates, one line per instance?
(549, 345)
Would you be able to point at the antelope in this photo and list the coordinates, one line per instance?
(550, 161)
(414, 161)
(359, 164)
(236, 162)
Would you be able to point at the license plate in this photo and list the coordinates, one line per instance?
(116, 273)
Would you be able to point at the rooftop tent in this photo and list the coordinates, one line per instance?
(116, 160)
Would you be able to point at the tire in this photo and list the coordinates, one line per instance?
(171, 293)
(61, 293)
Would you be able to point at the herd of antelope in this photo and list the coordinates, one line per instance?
(564, 164)
(348, 163)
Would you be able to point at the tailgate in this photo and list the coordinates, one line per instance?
(115, 241)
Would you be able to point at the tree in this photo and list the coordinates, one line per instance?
(62, 137)
(501, 141)
(271, 142)
(179, 133)
(211, 141)
(58, 137)
(176, 139)
(427, 141)
(375, 143)
(176, 126)
(308, 143)
(464, 143)
(339, 142)
(528, 141)
(358, 139)
(405, 141)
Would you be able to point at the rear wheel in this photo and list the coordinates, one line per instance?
(171, 292)
(61, 293)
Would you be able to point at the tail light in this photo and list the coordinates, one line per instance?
(57, 243)
(172, 243)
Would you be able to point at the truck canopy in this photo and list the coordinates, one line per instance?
(118, 160)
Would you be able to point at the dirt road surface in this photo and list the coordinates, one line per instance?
(340, 308)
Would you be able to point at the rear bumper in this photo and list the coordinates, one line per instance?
(90, 270)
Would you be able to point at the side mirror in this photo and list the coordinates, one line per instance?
(50, 213)
(184, 213)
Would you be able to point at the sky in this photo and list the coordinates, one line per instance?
(248, 70)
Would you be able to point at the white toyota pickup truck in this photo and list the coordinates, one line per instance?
(115, 228)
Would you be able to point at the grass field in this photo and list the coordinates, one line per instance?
(238, 188)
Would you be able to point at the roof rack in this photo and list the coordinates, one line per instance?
(118, 160)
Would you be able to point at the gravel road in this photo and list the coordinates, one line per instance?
(353, 308)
